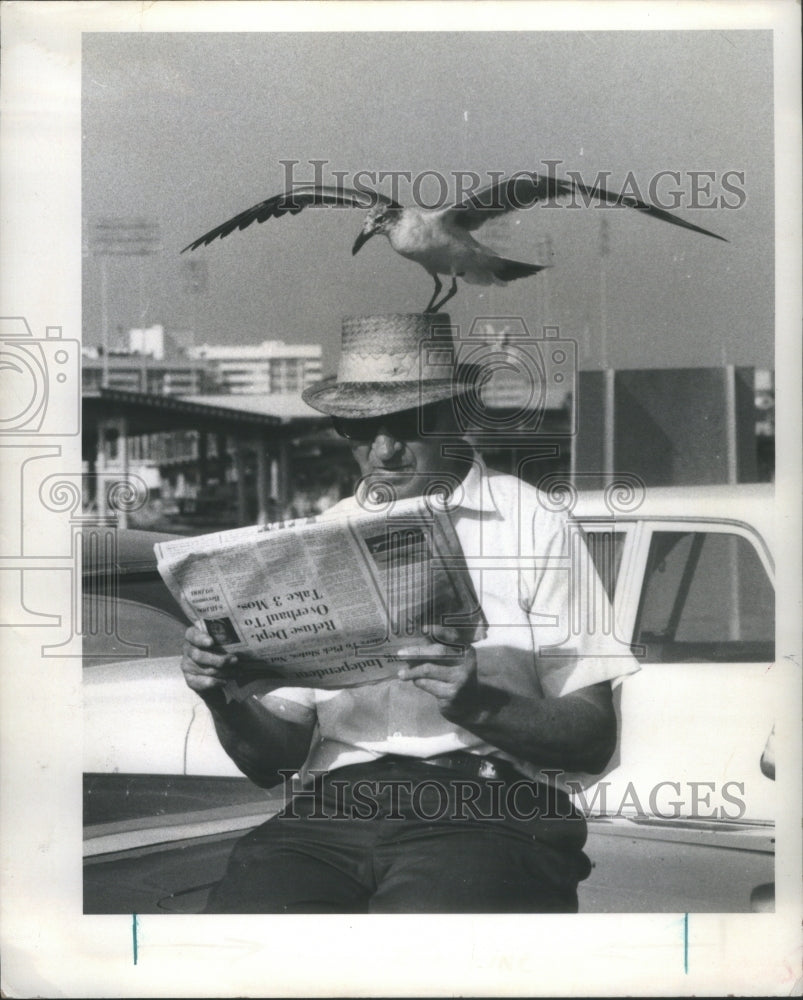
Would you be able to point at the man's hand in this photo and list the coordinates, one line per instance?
(576, 731)
(206, 666)
(449, 677)
(261, 742)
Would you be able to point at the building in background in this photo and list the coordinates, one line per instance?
(139, 373)
(765, 424)
(197, 470)
(261, 369)
(533, 414)
(166, 363)
(676, 426)
(155, 361)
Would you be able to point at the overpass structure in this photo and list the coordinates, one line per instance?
(265, 425)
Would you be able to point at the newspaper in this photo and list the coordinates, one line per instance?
(326, 601)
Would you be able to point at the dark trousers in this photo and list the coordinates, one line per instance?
(406, 837)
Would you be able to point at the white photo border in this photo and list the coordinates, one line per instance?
(49, 947)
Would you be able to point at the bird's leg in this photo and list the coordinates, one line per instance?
(435, 294)
(450, 294)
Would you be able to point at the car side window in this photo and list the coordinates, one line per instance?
(706, 596)
(605, 548)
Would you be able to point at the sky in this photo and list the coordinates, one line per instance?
(187, 129)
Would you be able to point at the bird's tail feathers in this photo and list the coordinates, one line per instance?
(509, 270)
(500, 270)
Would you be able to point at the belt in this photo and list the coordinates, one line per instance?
(471, 765)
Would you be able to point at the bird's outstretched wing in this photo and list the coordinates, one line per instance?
(299, 197)
(505, 195)
(525, 189)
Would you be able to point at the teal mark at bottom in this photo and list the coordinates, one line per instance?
(686, 943)
(134, 935)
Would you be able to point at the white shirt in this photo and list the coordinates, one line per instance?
(536, 585)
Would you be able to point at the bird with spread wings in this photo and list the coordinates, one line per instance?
(439, 239)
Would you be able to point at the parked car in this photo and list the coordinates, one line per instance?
(691, 574)
(681, 822)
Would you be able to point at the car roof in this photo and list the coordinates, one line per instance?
(750, 503)
(134, 551)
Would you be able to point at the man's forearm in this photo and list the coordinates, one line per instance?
(259, 743)
(576, 732)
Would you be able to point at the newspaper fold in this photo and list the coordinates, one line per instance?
(328, 600)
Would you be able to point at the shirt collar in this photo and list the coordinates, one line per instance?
(475, 492)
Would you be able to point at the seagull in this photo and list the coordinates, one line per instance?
(439, 239)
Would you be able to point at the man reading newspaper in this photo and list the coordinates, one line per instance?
(442, 789)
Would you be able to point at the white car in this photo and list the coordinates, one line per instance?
(684, 819)
(691, 575)
(681, 821)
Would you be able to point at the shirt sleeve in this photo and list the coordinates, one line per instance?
(571, 618)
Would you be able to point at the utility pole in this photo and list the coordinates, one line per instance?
(116, 237)
(608, 373)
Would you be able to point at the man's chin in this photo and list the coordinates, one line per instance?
(379, 489)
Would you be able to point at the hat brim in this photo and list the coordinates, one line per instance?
(373, 399)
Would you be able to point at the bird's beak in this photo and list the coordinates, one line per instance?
(362, 239)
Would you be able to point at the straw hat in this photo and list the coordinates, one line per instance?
(389, 363)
